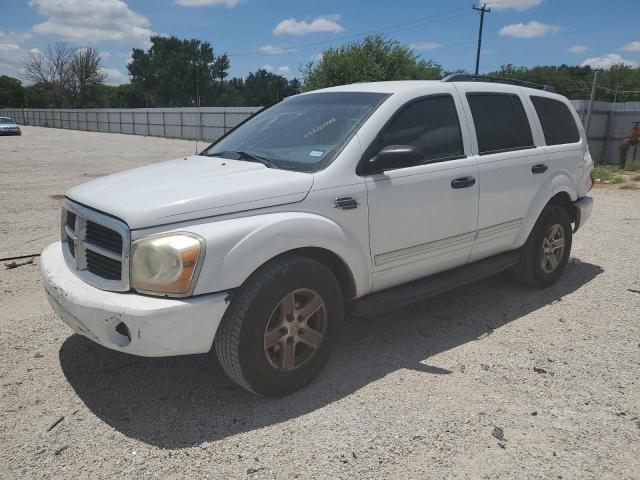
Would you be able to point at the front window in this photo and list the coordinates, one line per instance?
(6, 121)
(302, 133)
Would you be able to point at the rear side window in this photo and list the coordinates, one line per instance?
(430, 124)
(500, 121)
(557, 122)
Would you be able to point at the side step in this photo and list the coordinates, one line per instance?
(396, 297)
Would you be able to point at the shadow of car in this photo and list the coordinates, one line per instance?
(184, 401)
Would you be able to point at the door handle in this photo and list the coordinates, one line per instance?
(463, 182)
(539, 168)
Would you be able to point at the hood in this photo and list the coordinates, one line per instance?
(189, 188)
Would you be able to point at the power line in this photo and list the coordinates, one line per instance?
(482, 11)
(419, 22)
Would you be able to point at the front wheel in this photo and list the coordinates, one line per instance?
(546, 253)
(281, 327)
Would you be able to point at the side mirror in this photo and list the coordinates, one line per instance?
(395, 156)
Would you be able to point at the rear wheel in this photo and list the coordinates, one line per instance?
(546, 253)
(281, 326)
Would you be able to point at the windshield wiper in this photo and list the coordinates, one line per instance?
(250, 157)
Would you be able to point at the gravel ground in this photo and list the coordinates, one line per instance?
(492, 380)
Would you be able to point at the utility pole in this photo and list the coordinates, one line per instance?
(198, 95)
(482, 10)
(594, 86)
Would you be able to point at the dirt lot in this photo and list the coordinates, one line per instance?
(421, 393)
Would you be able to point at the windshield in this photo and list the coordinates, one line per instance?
(302, 133)
(6, 120)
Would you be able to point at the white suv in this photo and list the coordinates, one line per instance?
(369, 195)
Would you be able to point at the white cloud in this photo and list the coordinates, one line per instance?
(18, 37)
(518, 5)
(577, 49)
(317, 57)
(284, 70)
(322, 24)
(425, 45)
(632, 47)
(206, 3)
(275, 50)
(608, 61)
(114, 76)
(528, 30)
(92, 21)
(12, 53)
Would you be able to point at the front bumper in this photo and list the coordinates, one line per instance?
(153, 326)
(583, 209)
(10, 131)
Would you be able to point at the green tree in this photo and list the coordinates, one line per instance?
(575, 82)
(11, 92)
(220, 67)
(121, 96)
(262, 88)
(36, 96)
(374, 59)
(171, 70)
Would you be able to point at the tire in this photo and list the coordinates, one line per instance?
(533, 268)
(287, 284)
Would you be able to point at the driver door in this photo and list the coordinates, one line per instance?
(423, 216)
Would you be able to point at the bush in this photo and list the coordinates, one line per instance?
(374, 59)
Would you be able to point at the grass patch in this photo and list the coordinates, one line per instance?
(629, 186)
(618, 179)
(632, 167)
(606, 174)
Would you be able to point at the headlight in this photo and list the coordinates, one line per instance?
(166, 264)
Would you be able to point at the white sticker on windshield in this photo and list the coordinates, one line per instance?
(316, 153)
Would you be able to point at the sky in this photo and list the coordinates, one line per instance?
(284, 35)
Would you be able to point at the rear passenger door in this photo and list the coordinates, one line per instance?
(563, 145)
(513, 170)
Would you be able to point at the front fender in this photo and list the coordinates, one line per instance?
(237, 247)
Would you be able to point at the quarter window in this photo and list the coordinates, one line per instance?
(500, 121)
(430, 124)
(557, 122)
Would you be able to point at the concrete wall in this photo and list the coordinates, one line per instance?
(610, 123)
(188, 122)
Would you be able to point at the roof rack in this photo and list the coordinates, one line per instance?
(467, 77)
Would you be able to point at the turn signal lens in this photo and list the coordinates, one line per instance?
(166, 264)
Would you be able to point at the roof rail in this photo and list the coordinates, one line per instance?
(467, 77)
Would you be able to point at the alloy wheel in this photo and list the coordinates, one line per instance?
(552, 248)
(295, 329)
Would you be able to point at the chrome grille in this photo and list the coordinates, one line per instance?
(96, 246)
